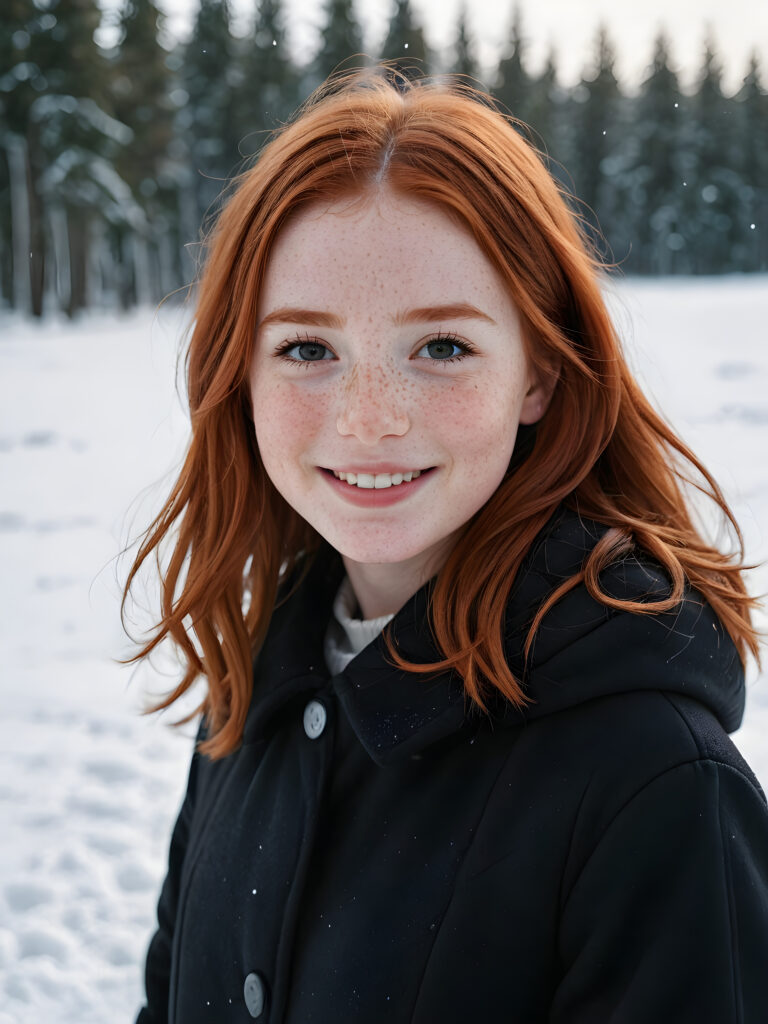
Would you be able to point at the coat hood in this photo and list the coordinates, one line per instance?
(582, 650)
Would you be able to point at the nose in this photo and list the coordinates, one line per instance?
(372, 406)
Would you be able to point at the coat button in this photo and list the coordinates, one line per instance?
(314, 719)
(253, 993)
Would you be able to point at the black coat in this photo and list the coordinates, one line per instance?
(601, 857)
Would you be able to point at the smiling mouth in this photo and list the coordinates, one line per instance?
(378, 481)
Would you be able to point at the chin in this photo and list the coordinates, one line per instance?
(399, 549)
(375, 554)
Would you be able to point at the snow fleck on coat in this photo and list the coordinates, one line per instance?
(602, 856)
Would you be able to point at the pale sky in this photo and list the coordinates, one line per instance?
(739, 26)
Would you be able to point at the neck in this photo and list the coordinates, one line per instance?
(382, 588)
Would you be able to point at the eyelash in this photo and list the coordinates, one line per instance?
(290, 343)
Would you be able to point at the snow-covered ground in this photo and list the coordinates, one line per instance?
(89, 419)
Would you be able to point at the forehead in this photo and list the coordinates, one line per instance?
(377, 249)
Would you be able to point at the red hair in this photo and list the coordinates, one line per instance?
(600, 447)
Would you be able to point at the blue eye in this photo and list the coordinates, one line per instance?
(446, 348)
(308, 351)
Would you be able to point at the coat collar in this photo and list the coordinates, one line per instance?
(583, 650)
(394, 714)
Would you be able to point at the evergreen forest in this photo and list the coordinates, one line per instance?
(113, 160)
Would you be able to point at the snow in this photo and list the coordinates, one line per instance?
(88, 788)
(91, 429)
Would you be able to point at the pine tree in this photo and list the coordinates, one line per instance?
(341, 43)
(268, 92)
(464, 62)
(596, 123)
(751, 122)
(141, 85)
(652, 174)
(713, 185)
(544, 100)
(405, 47)
(513, 83)
(548, 117)
(208, 121)
(73, 142)
(64, 47)
(20, 82)
(140, 89)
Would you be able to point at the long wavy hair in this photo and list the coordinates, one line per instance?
(225, 538)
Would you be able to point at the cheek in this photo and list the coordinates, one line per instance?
(286, 418)
(476, 420)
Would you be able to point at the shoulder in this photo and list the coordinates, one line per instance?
(585, 764)
(638, 740)
(647, 772)
(614, 745)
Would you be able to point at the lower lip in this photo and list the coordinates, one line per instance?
(373, 497)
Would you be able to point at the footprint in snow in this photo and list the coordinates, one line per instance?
(39, 439)
(134, 878)
(110, 772)
(47, 583)
(44, 942)
(752, 415)
(734, 371)
(108, 844)
(119, 955)
(22, 896)
(90, 808)
(10, 522)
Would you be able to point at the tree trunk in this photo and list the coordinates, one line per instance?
(21, 236)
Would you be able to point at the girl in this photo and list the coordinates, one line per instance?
(470, 667)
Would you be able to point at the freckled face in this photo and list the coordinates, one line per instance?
(372, 388)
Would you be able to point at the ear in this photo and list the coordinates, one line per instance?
(538, 395)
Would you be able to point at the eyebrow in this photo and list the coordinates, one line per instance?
(421, 314)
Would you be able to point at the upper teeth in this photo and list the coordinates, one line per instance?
(377, 480)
